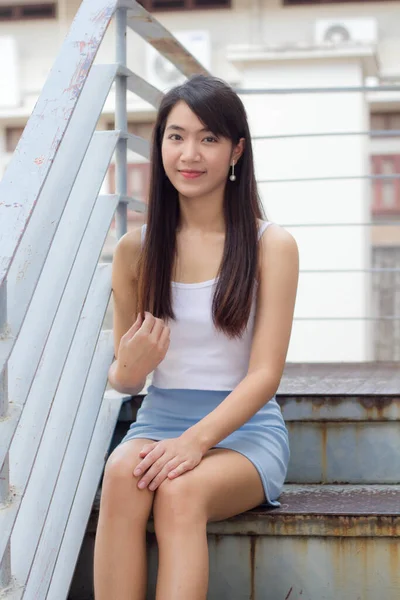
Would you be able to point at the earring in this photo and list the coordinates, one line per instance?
(233, 176)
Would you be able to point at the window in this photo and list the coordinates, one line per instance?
(154, 5)
(18, 12)
(12, 137)
(386, 121)
(386, 192)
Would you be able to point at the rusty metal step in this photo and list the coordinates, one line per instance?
(324, 542)
(343, 422)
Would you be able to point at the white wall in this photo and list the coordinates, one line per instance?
(39, 41)
(320, 294)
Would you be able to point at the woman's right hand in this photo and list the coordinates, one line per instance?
(142, 348)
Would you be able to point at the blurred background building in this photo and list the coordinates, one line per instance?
(315, 151)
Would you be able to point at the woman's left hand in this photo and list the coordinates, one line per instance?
(167, 459)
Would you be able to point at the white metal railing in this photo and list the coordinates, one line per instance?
(55, 421)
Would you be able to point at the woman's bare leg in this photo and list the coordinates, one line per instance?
(120, 567)
(224, 484)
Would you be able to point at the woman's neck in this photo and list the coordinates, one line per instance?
(202, 214)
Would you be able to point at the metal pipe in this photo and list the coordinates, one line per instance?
(324, 90)
(372, 270)
(372, 133)
(121, 123)
(5, 560)
(389, 318)
(360, 224)
(332, 178)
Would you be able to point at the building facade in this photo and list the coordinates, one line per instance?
(315, 151)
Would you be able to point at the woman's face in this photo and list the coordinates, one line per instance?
(196, 161)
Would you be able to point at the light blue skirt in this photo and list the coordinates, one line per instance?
(167, 413)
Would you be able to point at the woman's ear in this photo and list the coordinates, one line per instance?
(238, 150)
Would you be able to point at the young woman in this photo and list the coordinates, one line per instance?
(203, 296)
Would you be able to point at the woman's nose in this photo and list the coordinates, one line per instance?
(190, 151)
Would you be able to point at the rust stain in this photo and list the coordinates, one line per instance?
(394, 559)
(253, 541)
(82, 45)
(374, 407)
(82, 68)
(13, 205)
(326, 523)
(324, 438)
(338, 559)
(39, 160)
(289, 593)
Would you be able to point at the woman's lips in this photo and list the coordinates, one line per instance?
(191, 174)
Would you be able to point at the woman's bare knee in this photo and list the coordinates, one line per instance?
(176, 504)
(119, 489)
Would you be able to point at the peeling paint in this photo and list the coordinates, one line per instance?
(13, 205)
(105, 14)
(81, 45)
(253, 541)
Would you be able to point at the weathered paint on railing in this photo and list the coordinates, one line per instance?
(48, 123)
(34, 233)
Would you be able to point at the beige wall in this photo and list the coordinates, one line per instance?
(249, 21)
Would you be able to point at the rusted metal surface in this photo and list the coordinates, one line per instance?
(329, 379)
(313, 510)
(324, 543)
(340, 407)
(286, 568)
(330, 562)
(357, 452)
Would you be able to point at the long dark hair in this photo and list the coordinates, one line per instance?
(222, 112)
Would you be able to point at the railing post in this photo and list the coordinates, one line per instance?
(5, 560)
(121, 122)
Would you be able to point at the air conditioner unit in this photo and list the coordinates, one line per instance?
(346, 31)
(163, 74)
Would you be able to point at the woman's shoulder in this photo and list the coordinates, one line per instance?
(276, 238)
(128, 248)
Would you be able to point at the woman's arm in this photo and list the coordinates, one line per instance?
(279, 268)
(131, 388)
(124, 290)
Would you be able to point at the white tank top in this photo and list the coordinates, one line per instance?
(199, 356)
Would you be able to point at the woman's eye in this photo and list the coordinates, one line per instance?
(211, 139)
(174, 136)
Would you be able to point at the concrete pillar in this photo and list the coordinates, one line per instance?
(317, 202)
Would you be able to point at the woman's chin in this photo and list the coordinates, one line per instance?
(191, 191)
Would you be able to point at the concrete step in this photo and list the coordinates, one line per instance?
(326, 542)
